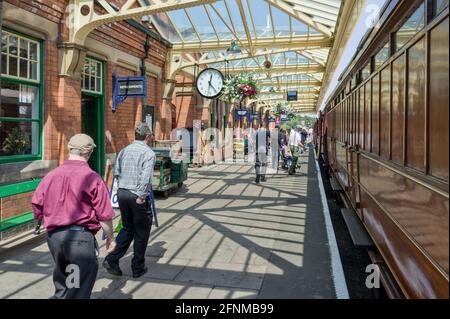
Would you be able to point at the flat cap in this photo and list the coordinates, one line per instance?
(142, 129)
(82, 142)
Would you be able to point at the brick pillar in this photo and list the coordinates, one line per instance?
(164, 123)
(62, 109)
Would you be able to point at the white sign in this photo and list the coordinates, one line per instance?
(114, 200)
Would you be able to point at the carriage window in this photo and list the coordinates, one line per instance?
(382, 55)
(440, 5)
(354, 82)
(348, 88)
(411, 27)
(365, 73)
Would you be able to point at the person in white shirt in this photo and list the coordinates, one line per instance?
(295, 143)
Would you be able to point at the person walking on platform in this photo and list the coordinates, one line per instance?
(282, 138)
(295, 145)
(304, 136)
(74, 203)
(261, 138)
(134, 171)
(282, 142)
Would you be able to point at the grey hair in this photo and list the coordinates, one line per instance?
(76, 151)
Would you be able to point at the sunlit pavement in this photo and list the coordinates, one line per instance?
(220, 236)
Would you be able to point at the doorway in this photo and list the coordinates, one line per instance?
(92, 125)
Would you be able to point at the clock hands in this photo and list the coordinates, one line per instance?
(210, 80)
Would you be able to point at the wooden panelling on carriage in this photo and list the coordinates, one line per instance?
(384, 134)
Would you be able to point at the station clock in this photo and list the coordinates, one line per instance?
(210, 83)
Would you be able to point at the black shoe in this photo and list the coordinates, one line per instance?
(257, 181)
(112, 269)
(263, 179)
(139, 274)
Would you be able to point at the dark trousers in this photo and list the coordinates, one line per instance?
(294, 151)
(261, 165)
(74, 253)
(136, 225)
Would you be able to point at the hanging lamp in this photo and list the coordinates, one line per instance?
(234, 48)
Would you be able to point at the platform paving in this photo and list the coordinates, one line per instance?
(220, 236)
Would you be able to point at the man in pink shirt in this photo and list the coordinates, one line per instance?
(74, 203)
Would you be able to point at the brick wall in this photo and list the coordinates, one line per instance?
(119, 35)
(15, 205)
(189, 104)
(52, 10)
(62, 107)
(62, 96)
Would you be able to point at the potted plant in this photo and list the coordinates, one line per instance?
(16, 143)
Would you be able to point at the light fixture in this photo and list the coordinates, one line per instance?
(234, 48)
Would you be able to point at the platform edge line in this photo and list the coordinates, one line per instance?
(340, 284)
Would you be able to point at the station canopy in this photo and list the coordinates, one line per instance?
(284, 43)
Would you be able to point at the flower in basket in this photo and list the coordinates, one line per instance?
(248, 87)
(239, 87)
(230, 91)
(248, 90)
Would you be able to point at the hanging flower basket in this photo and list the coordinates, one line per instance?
(248, 87)
(239, 88)
(230, 91)
(282, 110)
(248, 91)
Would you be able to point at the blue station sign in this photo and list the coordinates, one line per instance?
(240, 113)
(124, 87)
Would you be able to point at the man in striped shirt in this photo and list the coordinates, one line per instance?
(134, 170)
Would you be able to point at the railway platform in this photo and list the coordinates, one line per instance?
(220, 236)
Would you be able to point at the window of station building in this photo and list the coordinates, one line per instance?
(91, 76)
(382, 55)
(411, 27)
(21, 106)
(20, 57)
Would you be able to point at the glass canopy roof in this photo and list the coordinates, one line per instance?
(286, 43)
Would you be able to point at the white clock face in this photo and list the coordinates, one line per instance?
(210, 83)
